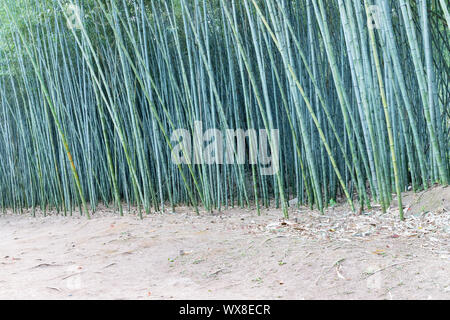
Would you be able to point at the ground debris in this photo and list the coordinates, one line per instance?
(341, 224)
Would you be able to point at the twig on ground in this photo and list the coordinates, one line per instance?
(337, 263)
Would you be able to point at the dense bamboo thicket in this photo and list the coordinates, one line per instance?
(358, 89)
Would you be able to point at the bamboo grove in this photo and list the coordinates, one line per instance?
(358, 89)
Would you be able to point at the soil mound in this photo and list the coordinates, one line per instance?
(436, 200)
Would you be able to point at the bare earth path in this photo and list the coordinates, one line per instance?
(234, 255)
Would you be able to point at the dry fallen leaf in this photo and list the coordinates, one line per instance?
(379, 252)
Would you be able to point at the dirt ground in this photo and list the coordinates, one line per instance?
(232, 255)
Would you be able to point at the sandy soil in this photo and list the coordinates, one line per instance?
(232, 255)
